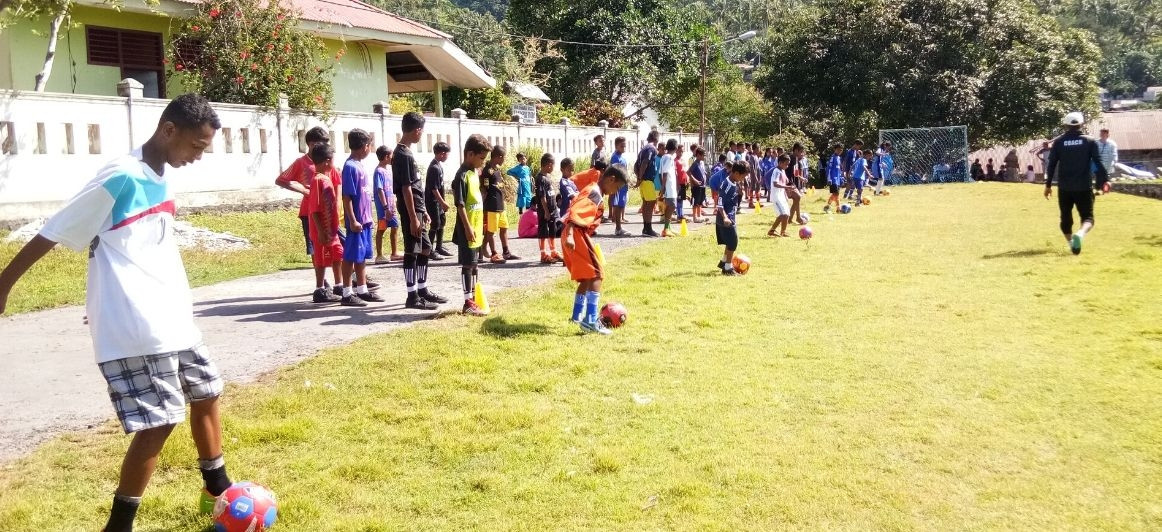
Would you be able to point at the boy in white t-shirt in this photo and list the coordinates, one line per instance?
(139, 303)
(669, 177)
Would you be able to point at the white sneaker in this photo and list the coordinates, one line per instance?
(381, 260)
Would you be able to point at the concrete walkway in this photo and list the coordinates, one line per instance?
(49, 382)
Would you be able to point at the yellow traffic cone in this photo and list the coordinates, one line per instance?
(481, 300)
(758, 208)
(683, 231)
(600, 256)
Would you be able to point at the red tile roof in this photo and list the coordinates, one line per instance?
(356, 14)
(361, 15)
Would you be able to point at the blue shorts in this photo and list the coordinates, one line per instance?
(357, 246)
(523, 202)
(858, 184)
(620, 198)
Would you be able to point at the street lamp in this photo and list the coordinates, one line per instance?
(702, 91)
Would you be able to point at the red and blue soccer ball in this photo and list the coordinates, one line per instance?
(245, 507)
(613, 315)
(845, 208)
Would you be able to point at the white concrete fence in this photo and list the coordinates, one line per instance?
(52, 144)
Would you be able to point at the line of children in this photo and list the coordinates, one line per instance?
(298, 177)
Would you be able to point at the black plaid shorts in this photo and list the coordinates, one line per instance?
(151, 391)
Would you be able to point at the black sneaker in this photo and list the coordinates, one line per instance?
(371, 285)
(436, 256)
(370, 297)
(338, 290)
(322, 295)
(443, 251)
(730, 272)
(416, 302)
(352, 301)
(650, 233)
(721, 265)
(431, 296)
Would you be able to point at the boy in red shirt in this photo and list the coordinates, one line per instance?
(581, 221)
(323, 208)
(298, 178)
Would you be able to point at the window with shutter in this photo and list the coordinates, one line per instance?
(139, 54)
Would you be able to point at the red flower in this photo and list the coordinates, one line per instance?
(281, 17)
(270, 46)
(290, 78)
(214, 13)
(239, 79)
(179, 67)
(244, 55)
(253, 66)
(195, 27)
(274, 35)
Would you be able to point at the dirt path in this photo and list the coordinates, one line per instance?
(49, 383)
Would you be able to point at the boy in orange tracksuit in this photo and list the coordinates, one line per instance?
(582, 220)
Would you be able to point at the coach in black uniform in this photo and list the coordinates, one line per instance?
(1071, 159)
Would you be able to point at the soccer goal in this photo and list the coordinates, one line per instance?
(928, 155)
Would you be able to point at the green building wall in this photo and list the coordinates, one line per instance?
(360, 76)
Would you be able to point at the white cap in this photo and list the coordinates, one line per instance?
(1073, 119)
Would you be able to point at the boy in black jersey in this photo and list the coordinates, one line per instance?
(413, 216)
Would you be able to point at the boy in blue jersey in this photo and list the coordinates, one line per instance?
(619, 199)
(834, 176)
(882, 166)
(140, 308)
(849, 160)
(725, 232)
(359, 223)
(860, 172)
(767, 170)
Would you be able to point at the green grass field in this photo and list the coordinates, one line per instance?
(937, 360)
(276, 237)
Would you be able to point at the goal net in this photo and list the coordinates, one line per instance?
(928, 155)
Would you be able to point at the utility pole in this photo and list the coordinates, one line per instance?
(702, 93)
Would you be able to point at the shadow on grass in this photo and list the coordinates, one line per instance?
(1152, 240)
(1017, 254)
(502, 328)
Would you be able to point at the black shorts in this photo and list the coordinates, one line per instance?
(682, 192)
(466, 256)
(698, 195)
(411, 244)
(834, 189)
(548, 227)
(727, 235)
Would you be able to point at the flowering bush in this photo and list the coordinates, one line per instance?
(238, 51)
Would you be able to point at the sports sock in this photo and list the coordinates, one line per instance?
(347, 291)
(591, 304)
(466, 281)
(409, 273)
(361, 289)
(214, 475)
(421, 272)
(122, 514)
(578, 306)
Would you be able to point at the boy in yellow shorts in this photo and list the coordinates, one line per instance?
(644, 170)
(495, 219)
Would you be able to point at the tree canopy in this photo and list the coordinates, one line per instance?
(1006, 71)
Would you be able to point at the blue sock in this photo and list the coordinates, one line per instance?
(578, 306)
(591, 314)
(680, 215)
